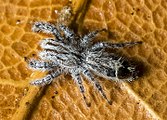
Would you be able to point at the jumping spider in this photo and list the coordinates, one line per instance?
(75, 55)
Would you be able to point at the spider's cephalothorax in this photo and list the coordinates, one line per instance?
(76, 55)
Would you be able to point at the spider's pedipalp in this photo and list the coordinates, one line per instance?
(114, 45)
(47, 79)
(41, 65)
(47, 28)
(77, 78)
(96, 84)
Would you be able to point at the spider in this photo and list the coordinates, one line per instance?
(78, 56)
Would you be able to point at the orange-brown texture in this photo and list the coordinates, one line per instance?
(125, 20)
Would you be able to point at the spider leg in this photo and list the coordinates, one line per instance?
(61, 59)
(52, 56)
(44, 55)
(41, 65)
(96, 84)
(69, 34)
(114, 45)
(50, 44)
(77, 78)
(59, 46)
(47, 28)
(47, 79)
(89, 37)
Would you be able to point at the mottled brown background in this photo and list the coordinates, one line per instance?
(125, 20)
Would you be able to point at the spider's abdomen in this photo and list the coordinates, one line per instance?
(111, 66)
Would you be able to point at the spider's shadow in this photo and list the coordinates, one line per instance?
(141, 67)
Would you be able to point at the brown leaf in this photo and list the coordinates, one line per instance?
(124, 20)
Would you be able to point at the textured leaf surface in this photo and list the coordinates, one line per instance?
(124, 20)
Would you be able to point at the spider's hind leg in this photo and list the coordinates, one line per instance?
(125, 44)
(96, 85)
(77, 78)
(114, 45)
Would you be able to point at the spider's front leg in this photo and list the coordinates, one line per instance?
(114, 45)
(77, 78)
(97, 85)
(69, 34)
(47, 79)
(89, 37)
(47, 28)
(41, 65)
(48, 44)
(53, 45)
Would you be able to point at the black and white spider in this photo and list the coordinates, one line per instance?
(78, 55)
